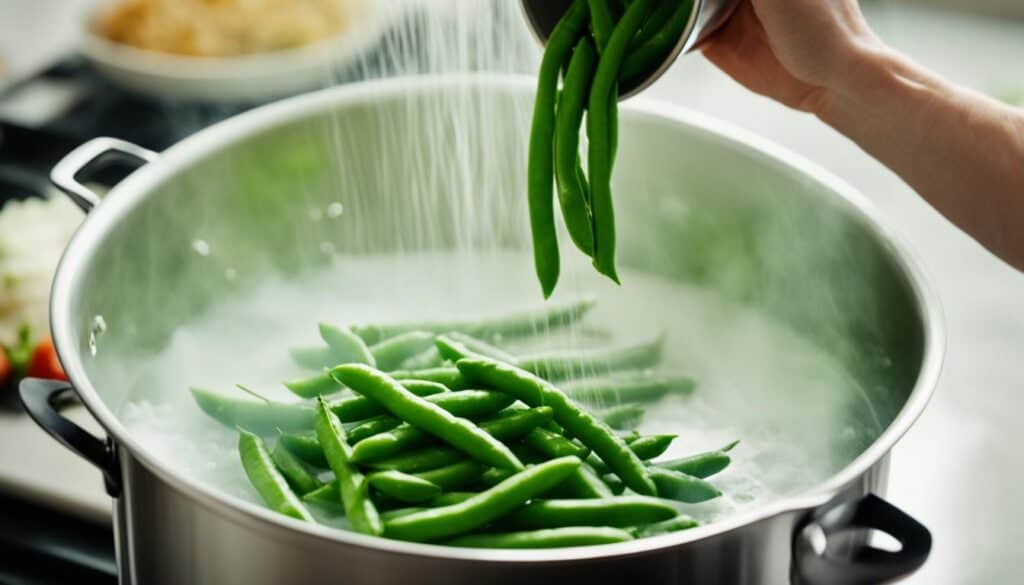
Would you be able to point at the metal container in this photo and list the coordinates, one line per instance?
(692, 194)
(707, 16)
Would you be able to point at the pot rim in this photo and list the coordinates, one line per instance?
(135, 188)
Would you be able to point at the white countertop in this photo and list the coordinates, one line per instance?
(958, 470)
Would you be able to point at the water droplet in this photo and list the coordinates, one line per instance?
(327, 248)
(201, 247)
(335, 210)
(315, 215)
(230, 274)
(99, 326)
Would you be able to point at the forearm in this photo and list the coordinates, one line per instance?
(963, 152)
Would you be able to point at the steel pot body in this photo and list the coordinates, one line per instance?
(698, 201)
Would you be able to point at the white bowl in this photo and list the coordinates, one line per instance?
(252, 77)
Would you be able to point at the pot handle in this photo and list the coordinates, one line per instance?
(43, 400)
(98, 152)
(859, 564)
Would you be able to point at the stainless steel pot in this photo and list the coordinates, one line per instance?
(698, 200)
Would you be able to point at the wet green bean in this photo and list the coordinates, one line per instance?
(346, 346)
(702, 465)
(456, 476)
(582, 425)
(669, 526)
(623, 417)
(583, 483)
(455, 346)
(653, 52)
(313, 357)
(551, 444)
(390, 353)
(674, 485)
(616, 511)
(602, 22)
(313, 386)
(626, 386)
(572, 189)
(426, 359)
(263, 417)
(403, 486)
(352, 484)
(485, 507)
(549, 538)
(301, 479)
(446, 375)
(560, 365)
(305, 447)
(268, 481)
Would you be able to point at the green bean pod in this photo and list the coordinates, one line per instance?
(428, 358)
(669, 526)
(403, 486)
(523, 323)
(352, 485)
(650, 446)
(702, 465)
(579, 423)
(301, 479)
(584, 483)
(346, 346)
(681, 487)
(654, 22)
(602, 22)
(572, 192)
(551, 444)
(603, 98)
(653, 52)
(313, 386)
(540, 171)
(550, 538)
(623, 417)
(455, 476)
(560, 365)
(450, 377)
(305, 447)
(431, 418)
(268, 481)
(355, 408)
(313, 357)
(389, 354)
(262, 417)
(372, 426)
(454, 346)
(450, 498)
(483, 508)
(626, 386)
(327, 497)
(616, 511)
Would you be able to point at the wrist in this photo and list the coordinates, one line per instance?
(868, 70)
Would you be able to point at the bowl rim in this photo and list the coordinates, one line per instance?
(127, 194)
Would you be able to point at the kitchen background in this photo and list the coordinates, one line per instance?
(958, 470)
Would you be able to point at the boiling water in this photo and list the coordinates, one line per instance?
(799, 417)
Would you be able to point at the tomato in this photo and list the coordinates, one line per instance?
(5, 367)
(44, 363)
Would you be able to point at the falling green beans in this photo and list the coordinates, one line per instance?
(572, 188)
(352, 484)
(603, 97)
(602, 22)
(653, 52)
(268, 481)
(485, 507)
(549, 538)
(540, 171)
(578, 422)
(458, 432)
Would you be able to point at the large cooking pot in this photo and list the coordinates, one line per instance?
(698, 201)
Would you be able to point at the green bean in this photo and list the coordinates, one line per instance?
(455, 346)
(614, 483)
(268, 481)
(615, 511)
(403, 486)
(626, 386)
(390, 353)
(483, 508)
(602, 22)
(305, 447)
(294, 471)
(529, 322)
(653, 52)
(352, 485)
(260, 417)
(448, 376)
(494, 476)
(372, 426)
(552, 444)
(681, 487)
(664, 527)
(326, 496)
(450, 498)
(622, 417)
(313, 386)
(603, 97)
(654, 22)
(455, 476)
(504, 428)
(346, 346)
(458, 432)
(428, 358)
(540, 171)
(651, 446)
(550, 538)
(360, 407)
(559, 365)
(472, 404)
(591, 431)
(313, 358)
(583, 483)
(572, 191)
(702, 465)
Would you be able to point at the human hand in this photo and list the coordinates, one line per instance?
(794, 51)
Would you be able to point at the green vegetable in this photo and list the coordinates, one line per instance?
(591, 431)
(653, 52)
(454, 346)
(306, 447)
(448, 376)
(263, 417)
(613, 511)
(313, 358)
(664, 527)
(550, 538)
(390, 353)
(483, 508)
(299, 477)
(352, 485)
(624, 417)
(551, 444)
(573, 193)
(702, 465)
(626, 386)
(681, 487)
(268, 481)
(403, 487)
(455, 476)
(559, 365)
(346, 346)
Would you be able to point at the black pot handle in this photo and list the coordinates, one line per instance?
(43, 400)
(860, 563)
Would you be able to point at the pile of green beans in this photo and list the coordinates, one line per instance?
(598, 48)
(486, 448)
